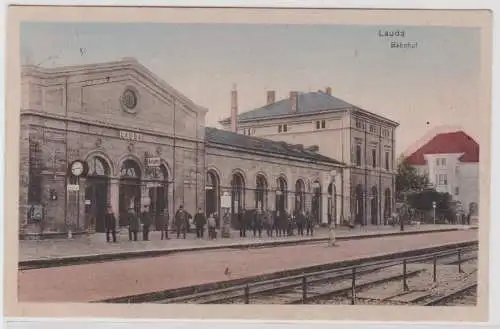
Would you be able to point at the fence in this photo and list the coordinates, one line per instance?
(355, 270)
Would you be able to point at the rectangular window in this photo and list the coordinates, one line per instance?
(457, 191)
(280, 128)
(443, 179)
(358, 155)
(441, 162)
(386, 160)
(374, 158)
(317, 125)
(323, 124)
(285, 128)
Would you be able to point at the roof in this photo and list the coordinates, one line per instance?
(124, 63)
(307, 103)
(447, 143)
(251, 143)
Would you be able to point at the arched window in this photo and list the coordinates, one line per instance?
(212, 193)
(374, 205)
(261, 193)
(360, 205)
(238, 193)
(387, 204)
(98, 167)
(299, 195)
(281, 194)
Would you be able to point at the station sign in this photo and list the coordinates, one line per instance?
(73, 187)
(226, 200)
(131, 135)
(153, 162)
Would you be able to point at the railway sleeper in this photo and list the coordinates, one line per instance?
(347, 290)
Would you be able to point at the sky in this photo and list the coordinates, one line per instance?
(430, 88)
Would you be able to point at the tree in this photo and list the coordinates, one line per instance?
(409, 180)
(423, 201)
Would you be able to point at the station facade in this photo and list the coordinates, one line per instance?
(144, 143)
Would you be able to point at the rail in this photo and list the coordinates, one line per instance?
(303, 280)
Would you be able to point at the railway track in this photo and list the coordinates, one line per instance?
(329, 284)
(463, 295)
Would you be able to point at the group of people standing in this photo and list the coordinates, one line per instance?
(145, 218)
(283, 223)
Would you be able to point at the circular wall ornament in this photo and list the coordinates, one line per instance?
(129, 100)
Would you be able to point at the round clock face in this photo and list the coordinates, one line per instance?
(77, 168)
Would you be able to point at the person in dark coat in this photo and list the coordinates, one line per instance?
(283, 223)
(301, 222)
(257, 223)
(200, 220)
(133, 224)
(277, 215)
(309, 223)
(181, 221)
(164, 224)
(146, 223)
(242, 221)
(110, 224)
(269, 222)
(290, 224)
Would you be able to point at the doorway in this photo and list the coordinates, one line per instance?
(96, 194)
(130, 190)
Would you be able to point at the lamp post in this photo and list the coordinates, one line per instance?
(434, 211)
(226, 220)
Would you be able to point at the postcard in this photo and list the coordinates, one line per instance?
(248, 163)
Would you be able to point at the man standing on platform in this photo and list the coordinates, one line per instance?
(180, 222)
(133, 224)
(199, 221)
(146, 223)
(164, 224)
(110, 223)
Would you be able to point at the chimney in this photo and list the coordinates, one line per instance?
(271, 97)
(234, 109)
(294, 97)
(328, 91)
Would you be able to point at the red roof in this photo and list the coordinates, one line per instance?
(448, 143)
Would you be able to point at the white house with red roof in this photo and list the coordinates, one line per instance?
(451, 161)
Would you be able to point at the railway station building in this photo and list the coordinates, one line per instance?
(317, 120)
(142, 142)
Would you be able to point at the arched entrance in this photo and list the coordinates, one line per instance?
(332, 203)
(387, 205)
(359, 209)
(212, 193)
(96, 193)
(130, 189)
(374, 206)
(260, 193)
(316, 201)
(158, 192)
(237, 197)
(299, 195)
(281, 194)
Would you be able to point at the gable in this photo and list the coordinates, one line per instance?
(447, 143)
(123, 93)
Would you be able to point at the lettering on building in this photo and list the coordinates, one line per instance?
(131, 136)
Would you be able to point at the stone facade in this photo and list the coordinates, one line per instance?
(226, 162)
(364, 141)
(120, 114)
(144, 143)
